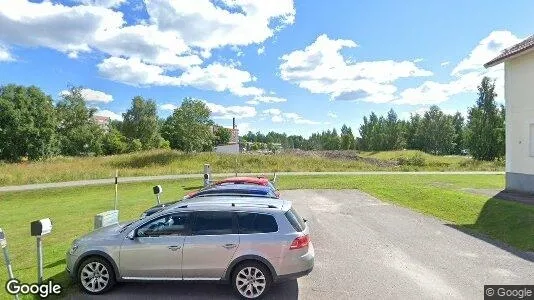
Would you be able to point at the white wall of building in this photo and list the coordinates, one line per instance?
(232, 148)
(519, 95)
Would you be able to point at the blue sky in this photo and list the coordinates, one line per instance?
(294, 66)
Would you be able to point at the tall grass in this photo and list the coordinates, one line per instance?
(163, 162)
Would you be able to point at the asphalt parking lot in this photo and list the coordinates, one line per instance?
(369, 249)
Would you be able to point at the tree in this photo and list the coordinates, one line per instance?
(379, 133)
(188, 128)
(114, 142)
(485, 124)
(393, 134)
(347, 138)
(458, 124)
(79, 134)
(438, 134)
(222, 135)
(27, 124)
(141, 122)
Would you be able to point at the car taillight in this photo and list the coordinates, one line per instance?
(300, 242)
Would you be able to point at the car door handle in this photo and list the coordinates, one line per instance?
(229, 246)
(174, 248)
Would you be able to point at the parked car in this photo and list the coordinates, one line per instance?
(219, 190)
(248, 242)
(260, 181)
(235, 189)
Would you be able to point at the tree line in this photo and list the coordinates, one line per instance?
(435, 132)
(33, 127)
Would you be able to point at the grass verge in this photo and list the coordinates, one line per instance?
(72, 210)
(163, 162)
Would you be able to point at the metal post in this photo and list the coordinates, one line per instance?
(207, 175)
(8, 263)
(3, 245)
(157, 197)
(39, 260)
(116, 189)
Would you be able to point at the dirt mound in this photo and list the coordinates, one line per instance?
(342, 155)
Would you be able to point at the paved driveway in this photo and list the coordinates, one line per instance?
(369, 249)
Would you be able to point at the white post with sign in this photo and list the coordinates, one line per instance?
(207, 174)
(157, 191)
(38, 229)
(116, 189)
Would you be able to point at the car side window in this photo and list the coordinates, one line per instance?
(256, 223)
(213, 223)
(173, 224)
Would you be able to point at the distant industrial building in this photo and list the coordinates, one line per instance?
(233, 144)
(103, 122)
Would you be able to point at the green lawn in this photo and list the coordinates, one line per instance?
(162, 162)
(72, 210)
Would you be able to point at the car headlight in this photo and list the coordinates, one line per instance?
(73, 248)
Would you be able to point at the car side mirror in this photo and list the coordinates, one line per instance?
(131, 235)
(305, 220)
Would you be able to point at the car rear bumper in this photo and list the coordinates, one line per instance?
(292, 276)
(297, 264)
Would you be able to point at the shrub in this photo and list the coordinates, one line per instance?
(416, 160)
(135, 145)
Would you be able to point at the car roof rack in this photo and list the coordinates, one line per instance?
(234, 205)
(234, 195)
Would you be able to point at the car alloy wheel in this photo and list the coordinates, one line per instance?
(96, 276)
(251, 280)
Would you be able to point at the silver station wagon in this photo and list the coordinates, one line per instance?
(250, 243)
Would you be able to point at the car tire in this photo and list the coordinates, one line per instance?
(95, 275)
(251, 280)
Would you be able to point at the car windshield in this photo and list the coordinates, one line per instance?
(125, 226)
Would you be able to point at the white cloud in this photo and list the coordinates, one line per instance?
(149, 44)
(134, 72)
(244, 128)
(178, 36)
(228, 112)
(168, 106)
(63, 28)
(218, 77)
(320, 68)
(277, 116)
(418, 60)
(487, 49)
(252, 102)
(90, 95)
(445, 63)
(5, 55)
(103, 3)
(215, 77)
(332, 115)
(261, 50)
(267, 99)
(109, 114)
(212, 24)
(96, 96)
(466, 75)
